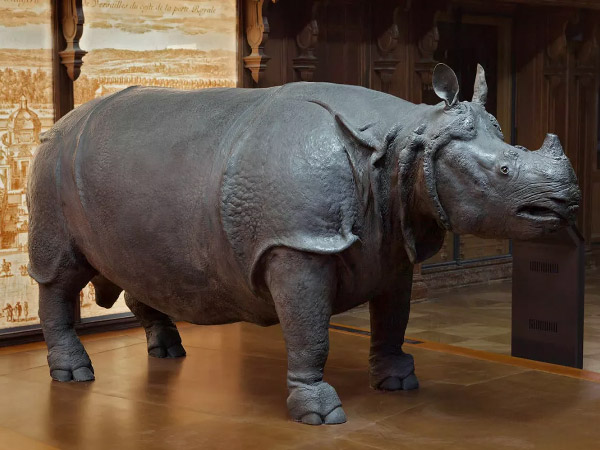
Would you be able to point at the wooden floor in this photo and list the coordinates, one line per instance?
(229, 393)
(479, 317)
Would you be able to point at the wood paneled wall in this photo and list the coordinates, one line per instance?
(557, 68)
(342, 41)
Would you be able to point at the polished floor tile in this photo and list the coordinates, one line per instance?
(230, 392)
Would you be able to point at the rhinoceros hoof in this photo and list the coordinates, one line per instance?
(399, 384)
(174, 351)
(164, 341)
(70, 362)
(315, 404)
(335, 417)
(393, 372)
(80, 374)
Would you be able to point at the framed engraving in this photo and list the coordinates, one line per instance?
(182, 44)
(26, 110)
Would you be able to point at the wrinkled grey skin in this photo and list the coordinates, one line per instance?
(273, 205)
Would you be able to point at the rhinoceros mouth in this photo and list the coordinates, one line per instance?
(541, 213)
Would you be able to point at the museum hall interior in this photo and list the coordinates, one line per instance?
(300, 224)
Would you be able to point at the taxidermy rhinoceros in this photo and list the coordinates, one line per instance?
(286, 204)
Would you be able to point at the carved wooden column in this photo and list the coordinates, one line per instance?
(425, 16)
(427, 46)
(582, 128)
(305, 63)
(67, 56)
(555, 74)
(387, 42)
(257, 33)
(72, 28)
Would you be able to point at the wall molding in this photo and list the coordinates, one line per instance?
(307, 39)
(387, 43)
(257, 33)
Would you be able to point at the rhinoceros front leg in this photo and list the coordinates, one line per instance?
(303, 287)
(161, 333)
(390, 368)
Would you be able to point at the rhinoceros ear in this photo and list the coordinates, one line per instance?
(480, 90)
(445, 84)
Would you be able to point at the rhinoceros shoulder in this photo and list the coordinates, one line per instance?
(302, 175)
(288, 182)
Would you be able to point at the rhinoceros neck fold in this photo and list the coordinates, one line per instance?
(417, 149)
(431, 185)
(460, 128)
(422, 217)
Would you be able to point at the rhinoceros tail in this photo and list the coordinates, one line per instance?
(106, 291)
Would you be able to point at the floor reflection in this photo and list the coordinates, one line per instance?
(229, 393)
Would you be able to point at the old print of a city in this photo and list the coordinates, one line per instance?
(183, 44)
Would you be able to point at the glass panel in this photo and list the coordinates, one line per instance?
(26, 110)
(446, 253)
(472, 247)
(172, 43)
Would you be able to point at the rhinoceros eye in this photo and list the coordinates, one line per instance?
(504, 170)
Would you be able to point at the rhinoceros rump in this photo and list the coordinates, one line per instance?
(273, 205)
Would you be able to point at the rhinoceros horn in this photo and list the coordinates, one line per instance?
(480, 89)
(551, 147)
(445, 84)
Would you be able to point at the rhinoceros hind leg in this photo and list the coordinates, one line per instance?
(302, 287)
(161, 333)
(67, 358)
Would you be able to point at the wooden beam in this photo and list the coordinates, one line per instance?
(589, 4)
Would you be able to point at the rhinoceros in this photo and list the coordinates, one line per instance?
(278, 205)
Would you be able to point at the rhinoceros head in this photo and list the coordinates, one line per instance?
(480, 185)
